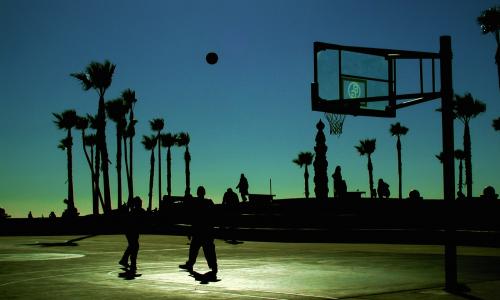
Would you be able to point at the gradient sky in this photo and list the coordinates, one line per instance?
(249, 113)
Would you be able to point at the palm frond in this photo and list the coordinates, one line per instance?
(496, 124)
(397, 129)
(84, 80)
(183, 139)
(157, 124)
(168, 139)
(489, 20)
(149, 142)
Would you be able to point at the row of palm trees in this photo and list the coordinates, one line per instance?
(465, 108)
(98, 76)
(167, 140)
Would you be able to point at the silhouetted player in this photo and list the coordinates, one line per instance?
(202, 232)
(243, 187)
(132, 226)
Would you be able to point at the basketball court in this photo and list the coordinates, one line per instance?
(48, 267)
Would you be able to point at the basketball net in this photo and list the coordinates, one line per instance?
(336, 122)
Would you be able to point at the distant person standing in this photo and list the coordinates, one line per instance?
(339, 185)
(230, 203)
(202, 233)
(243, 187)
(132, 225)
(383, 189)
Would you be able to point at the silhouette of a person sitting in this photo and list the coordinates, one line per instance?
(415, 195)
(202, 233)
(339, 185)
(489, 193)
(243, 187)
(383, 189)
(132, 227)
(30, 216)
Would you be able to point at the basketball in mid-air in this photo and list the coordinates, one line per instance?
(212, 58)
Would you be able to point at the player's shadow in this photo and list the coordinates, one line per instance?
(204, 278)
(233, 242)
(62, 244)
(128, 274)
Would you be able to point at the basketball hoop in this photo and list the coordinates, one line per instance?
(336, 122)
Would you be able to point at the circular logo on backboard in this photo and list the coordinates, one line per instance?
(354, 90)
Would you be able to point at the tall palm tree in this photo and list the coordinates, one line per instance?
(398, 130)
(496, 124)
(460, 156)
(128, 96)
(149, 143)
(66, 121)
(466, 108)
(367, 147)
(489, 20)
(168, 140)
(305, 159)
(82, 123)
(157, 125)
(183, 140)
(98, 76)
(94, 124)
(116, 110)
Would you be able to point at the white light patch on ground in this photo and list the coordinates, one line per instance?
(37, 256)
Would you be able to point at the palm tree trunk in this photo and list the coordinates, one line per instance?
(71, 200)
(131, 162)
(169, 172)
(460, 176)
(468, 160)
(127, 172)
(119, 163)
(101, 141)
(306, 182)
(97, 173)
(370, 176)
(187, 159)
(90, 161)
(151, 178)
(400, 167)
(159, 168)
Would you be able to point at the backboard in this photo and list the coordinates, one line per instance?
(362, 81)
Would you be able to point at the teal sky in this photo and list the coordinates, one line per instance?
(250, 113)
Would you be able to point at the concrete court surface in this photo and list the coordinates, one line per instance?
(45, 267)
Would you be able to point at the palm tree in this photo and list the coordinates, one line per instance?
(367, 147)
(116, 110)
(82, 123)
(66, 121)
(460, 156)
(305, 159)
(157, 125)
(168, 140)
(496, 124)
(465, 109)
(128, 96)
(90, 140)
(183, 140)
(489, 20)
(398, 130)
(149, 143)
(98, 76)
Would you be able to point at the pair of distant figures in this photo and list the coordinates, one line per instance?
(200, 210)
